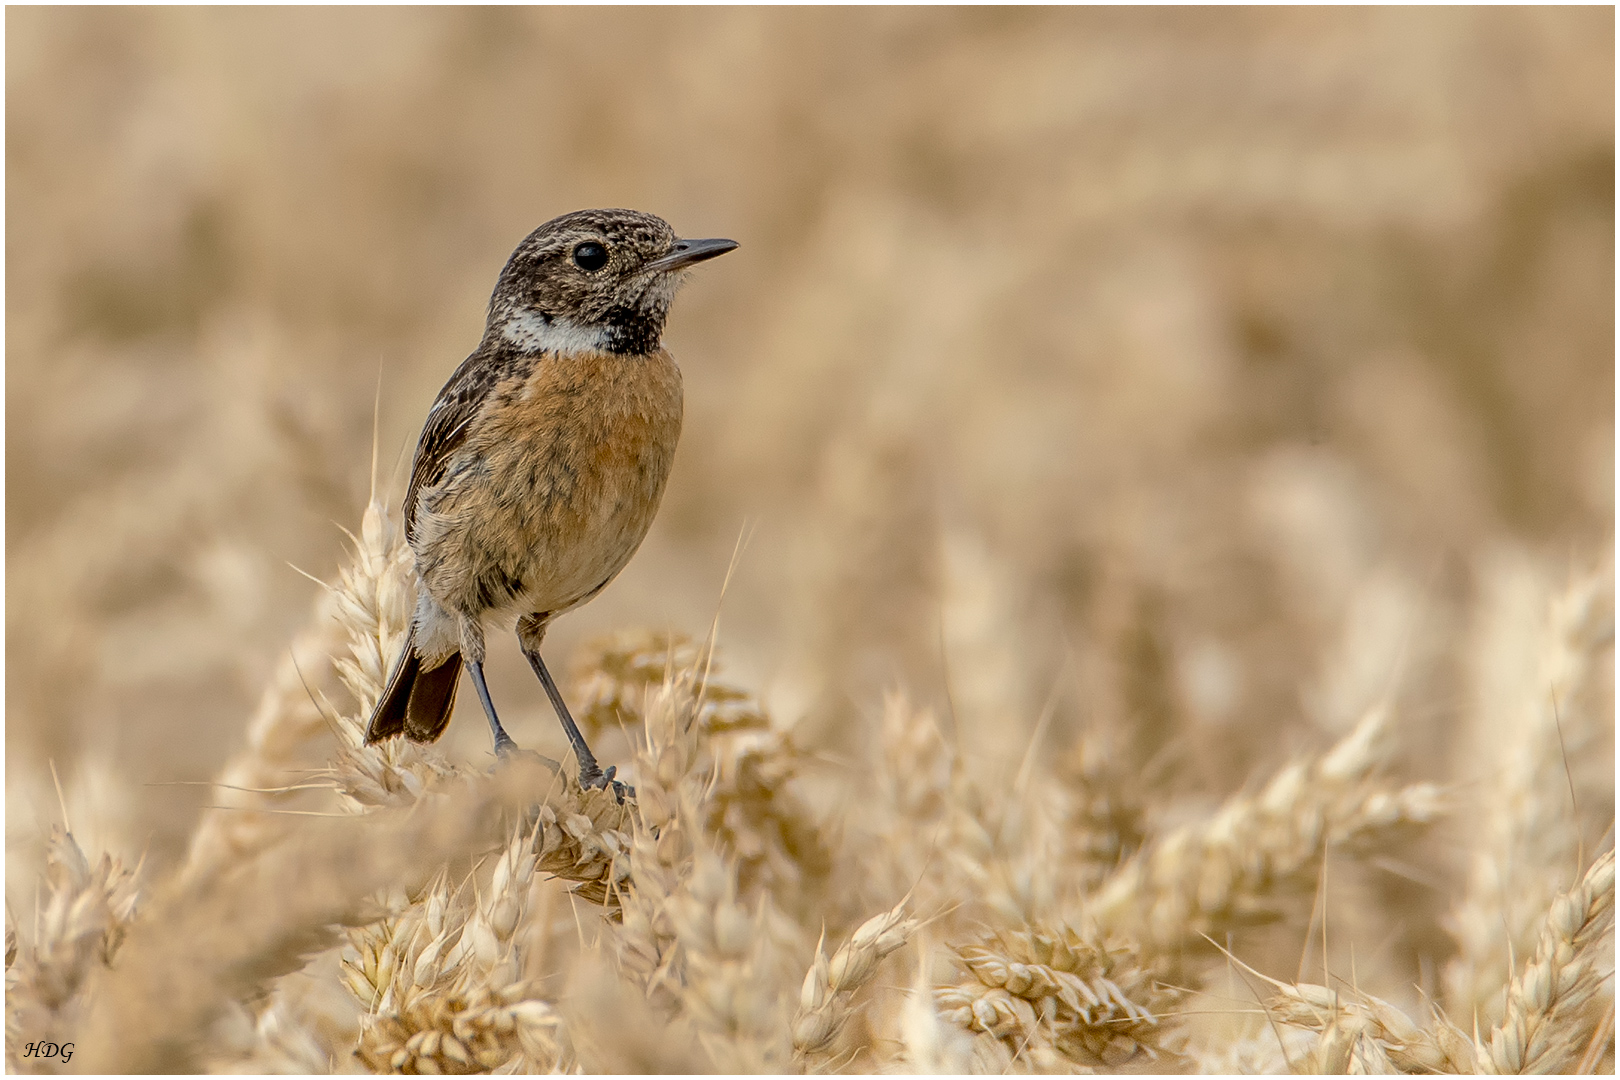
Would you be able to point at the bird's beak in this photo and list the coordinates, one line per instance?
(687, 252)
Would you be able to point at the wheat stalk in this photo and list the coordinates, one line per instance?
(443, 982)
(705, 953)
(284, 742)
(373, 602)
(1200, 879)
(1546, 1028)
(935, 834)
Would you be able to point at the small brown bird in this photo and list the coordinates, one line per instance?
(542, 461)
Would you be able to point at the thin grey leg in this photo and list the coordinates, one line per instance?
(590, 773)
(503, 741)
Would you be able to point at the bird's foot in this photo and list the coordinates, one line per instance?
(593, 776)
(504, 746)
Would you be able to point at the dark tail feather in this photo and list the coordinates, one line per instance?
(416, 703)
(428, 711)
(388, 718)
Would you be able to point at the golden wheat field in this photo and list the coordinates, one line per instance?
(1135, 593)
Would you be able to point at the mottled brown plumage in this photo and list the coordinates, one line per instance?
(543, 459)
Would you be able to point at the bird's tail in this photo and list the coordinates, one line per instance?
(416, 703)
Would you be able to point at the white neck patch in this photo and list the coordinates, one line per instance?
(532, 333)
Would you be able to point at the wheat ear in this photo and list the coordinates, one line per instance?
(1542, 1029)
(1058, 997)
(825, 999)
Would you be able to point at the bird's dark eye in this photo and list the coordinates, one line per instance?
(589, 256)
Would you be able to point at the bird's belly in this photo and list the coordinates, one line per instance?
(570, 554)
(551, 501)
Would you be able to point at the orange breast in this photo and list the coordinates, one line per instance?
(558, 484)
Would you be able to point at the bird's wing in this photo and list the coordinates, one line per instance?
(453, 412)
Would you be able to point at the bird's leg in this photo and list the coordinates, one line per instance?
(591, 775)
(503, 742)
(531, 631)
(472, 651)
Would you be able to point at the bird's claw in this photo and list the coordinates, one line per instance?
(594, 777)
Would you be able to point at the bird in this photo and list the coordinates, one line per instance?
(542, 462)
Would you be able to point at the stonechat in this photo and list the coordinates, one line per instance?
(542, 461)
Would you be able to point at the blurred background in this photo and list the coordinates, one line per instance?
(1183, 375)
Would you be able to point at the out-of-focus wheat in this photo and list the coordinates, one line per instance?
(308, 1025)
(1273, 380)
(929, 1044)
(436, 908)
(611, 675)
(688, 934)
(1536, 726)
(752, 806)
(285, 740)
(84, 913)
(950, 836)
(1208, 877)
(1360, 1026)
(289, 738)
(1102, 825)
(206, 941)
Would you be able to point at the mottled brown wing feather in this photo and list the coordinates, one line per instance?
(447, 425)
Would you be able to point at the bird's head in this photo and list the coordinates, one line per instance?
(593, 281)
